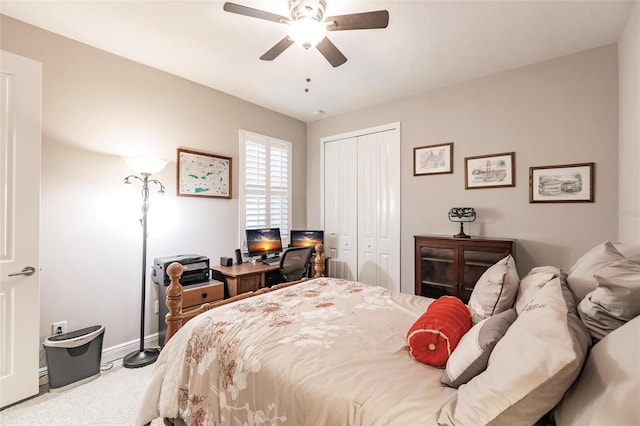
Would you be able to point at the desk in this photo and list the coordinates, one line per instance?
(249, 276)
(243, 277)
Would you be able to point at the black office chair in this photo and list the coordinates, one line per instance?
(295, 263)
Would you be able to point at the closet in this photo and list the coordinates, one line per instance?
(362, 205)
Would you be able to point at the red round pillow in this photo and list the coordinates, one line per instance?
(437, 332)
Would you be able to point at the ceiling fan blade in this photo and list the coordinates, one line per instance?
(254, 13)
(276, 50)
(359, 21)
(331, 52)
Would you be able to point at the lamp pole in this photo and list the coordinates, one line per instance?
(143, 356)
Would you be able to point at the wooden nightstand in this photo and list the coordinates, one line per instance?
(193, 296)
(452, 266)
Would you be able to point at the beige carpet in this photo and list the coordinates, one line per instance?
(110, 400)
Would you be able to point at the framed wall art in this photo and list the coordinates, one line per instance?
(490, 171)
(203, 175)
(570, 183)
(433, 159)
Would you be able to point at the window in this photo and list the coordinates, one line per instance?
(265, 184)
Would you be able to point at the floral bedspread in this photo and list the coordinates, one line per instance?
(324, 352)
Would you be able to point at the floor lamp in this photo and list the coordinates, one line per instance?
(146, 167)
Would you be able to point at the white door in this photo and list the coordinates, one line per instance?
(368, 209)
(379, 209)
(341, 208)
(362, 205)
(21, 98)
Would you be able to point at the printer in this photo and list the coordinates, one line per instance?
(196, 269)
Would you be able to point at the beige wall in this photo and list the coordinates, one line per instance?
(562, 111)
(629, 156)
(97, 107)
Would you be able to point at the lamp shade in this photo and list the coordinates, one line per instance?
(307, 32)
(145, 164)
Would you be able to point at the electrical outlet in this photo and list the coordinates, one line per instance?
(59, 327)
(156, 309)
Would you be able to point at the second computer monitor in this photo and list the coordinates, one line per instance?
(306, 238)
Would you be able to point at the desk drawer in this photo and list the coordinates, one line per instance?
(202, 294)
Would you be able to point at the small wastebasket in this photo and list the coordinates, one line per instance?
(73, 358)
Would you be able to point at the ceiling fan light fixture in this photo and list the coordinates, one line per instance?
(308, 26)
(307, 32)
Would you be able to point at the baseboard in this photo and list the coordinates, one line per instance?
(117, 352)
(112, 354)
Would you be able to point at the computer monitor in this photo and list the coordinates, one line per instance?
(262, 242)
(306, 238)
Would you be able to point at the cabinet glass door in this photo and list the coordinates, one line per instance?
(437, 271)
(475, 264)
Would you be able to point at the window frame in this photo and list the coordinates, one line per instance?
(247, 136)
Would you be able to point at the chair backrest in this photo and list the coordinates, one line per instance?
(294, 263)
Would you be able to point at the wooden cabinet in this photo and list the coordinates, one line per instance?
(452, 266)
(193, 296)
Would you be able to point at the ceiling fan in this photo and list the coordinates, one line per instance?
(307, 26)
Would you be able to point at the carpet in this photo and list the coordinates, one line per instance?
(109, 400)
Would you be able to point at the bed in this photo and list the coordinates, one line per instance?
(328, 351)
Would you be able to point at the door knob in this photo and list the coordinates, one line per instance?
(27, 270)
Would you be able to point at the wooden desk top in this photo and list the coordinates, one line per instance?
(246, 268)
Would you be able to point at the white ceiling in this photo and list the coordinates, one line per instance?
(428, 44)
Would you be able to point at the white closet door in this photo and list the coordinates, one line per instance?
(368, 209)
(378, 209)
(362, 205)
(388, 243)
(341, 208)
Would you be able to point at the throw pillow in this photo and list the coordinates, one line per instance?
(605, 260)
(606, 393)
(631, 252)
(529, 369)
(434, 336)
(472, 353)
(495, 291)
(614, 302)
(533, 282)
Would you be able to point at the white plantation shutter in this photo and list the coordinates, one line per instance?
(279, 184)
(265, 174)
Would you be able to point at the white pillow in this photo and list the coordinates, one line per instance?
(533, 282)
(530, 368)
(614, 302)
(495, 291)
(600, 258)
(471, 356)
(606, 393)
(629, 251)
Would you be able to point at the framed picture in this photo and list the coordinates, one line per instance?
(433, 159)
(203, 175)
(490, 171)
(570, 183)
